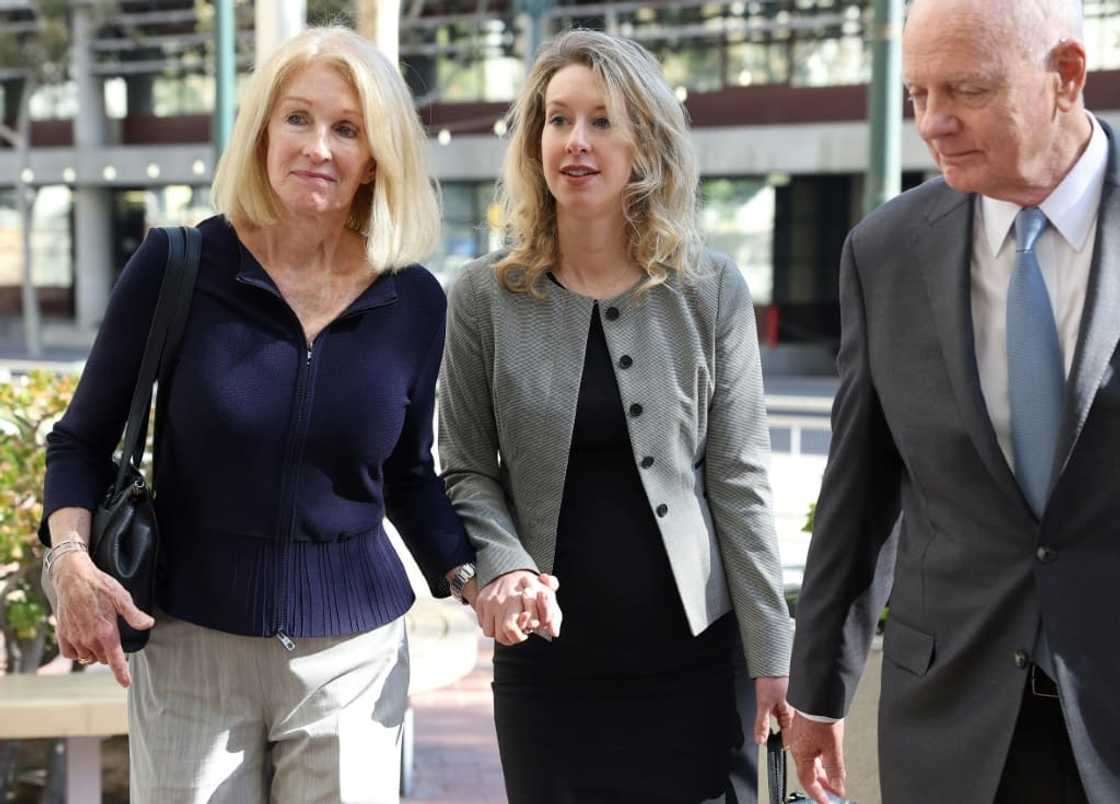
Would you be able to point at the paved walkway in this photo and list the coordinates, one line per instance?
(456, 749)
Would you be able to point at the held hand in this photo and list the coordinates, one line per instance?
(818, 751)
(500, 606)
(540, 604)
(89, 602)
(770, 699)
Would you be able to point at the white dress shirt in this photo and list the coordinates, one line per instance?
(1065, 254)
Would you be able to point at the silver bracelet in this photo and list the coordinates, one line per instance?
(61, 549)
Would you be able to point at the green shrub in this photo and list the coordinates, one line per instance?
(29, 406)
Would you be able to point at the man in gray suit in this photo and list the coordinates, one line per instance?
(979, 395)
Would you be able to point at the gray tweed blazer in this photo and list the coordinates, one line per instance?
(693, 390)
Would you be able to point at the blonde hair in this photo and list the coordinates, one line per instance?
(660, 200)
(398, 212)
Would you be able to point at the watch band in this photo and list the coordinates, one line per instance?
(460, 580)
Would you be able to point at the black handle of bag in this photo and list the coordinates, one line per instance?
(184, 248)
(776, 767)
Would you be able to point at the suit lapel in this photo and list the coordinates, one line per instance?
(1100, 321)
(944, 248)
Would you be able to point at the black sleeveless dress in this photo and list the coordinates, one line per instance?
(626, 706)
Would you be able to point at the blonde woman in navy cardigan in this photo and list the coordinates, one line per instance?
(602, 421)
(299, 415)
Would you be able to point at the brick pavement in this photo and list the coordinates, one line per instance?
(456, 750)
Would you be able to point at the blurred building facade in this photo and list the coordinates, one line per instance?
(776, 90)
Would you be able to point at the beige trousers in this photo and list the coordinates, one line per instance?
(215, 717)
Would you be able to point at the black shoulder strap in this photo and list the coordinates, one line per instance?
(184, 246)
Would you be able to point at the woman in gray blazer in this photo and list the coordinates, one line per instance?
(602, 421)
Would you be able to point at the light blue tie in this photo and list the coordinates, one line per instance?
(1036, 373)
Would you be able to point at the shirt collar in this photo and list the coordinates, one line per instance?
(1071, 208)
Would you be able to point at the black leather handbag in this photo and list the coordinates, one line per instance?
(124, 539)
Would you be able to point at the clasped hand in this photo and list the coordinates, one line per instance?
(516, 604)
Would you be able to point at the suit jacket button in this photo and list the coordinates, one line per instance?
(662, 509)
(647, 462)
(1046, 554)
(1022, 659)
(625, 361)
(612, 313)
(635, 409)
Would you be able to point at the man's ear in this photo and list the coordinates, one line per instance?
(1067, 62)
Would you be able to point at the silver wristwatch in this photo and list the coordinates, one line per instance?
(464, 574)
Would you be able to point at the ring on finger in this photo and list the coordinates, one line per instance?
(84, 660)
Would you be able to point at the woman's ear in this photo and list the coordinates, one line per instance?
(371, 173)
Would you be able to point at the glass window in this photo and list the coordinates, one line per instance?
(737, 216)
(1102, 34)
(51, 247)
(470, 227)
(136, 210)
(473, 63)
(116, 98)
(751, 63)
(696, 66)
(186, 94)
(55, 102)
(831, 62)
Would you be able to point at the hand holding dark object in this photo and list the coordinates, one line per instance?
(818, 752)
(89, 602)
(770, 699)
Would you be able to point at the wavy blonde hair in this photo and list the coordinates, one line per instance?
(398, 212)
(660, 200)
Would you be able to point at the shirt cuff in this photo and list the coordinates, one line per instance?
(818, 718)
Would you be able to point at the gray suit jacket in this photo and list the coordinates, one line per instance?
(509, 386)
(975, 570)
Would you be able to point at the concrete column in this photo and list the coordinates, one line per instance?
(276, 22)
(89, 125)
(531, 16)
(225, 73)
(380, 20)
(93, 269)
(93, 257)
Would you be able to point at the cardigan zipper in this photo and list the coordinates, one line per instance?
(292, 462)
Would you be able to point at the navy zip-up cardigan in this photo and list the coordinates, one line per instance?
(278, 459)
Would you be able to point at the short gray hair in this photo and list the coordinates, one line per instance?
(1041, 24)
(1037, 25)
